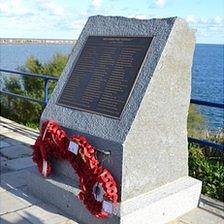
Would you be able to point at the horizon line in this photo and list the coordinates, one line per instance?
(65, 39)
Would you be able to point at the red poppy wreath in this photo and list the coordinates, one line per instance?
(98, 189)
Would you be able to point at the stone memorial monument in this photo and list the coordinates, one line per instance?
(126, 87)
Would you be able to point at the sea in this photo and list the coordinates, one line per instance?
(207, 72)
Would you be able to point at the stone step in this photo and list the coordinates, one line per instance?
(62, 192)
(159, 206)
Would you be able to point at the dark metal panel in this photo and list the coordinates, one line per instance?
(104, 75)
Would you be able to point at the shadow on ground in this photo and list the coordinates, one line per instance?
(214, 207)
(33, 208)
(22, 220)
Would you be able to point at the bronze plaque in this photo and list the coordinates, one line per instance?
(104, 75)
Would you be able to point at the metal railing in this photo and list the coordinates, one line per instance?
(205, 142)
(46, 79)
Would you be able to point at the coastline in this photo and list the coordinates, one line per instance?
(12, 41)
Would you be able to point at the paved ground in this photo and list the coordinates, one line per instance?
(19, 207)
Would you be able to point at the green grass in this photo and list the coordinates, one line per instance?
(32, 125)
(206, 164)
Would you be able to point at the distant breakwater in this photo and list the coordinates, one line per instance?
(35, 41)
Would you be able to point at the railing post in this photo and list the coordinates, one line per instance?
(45, 91)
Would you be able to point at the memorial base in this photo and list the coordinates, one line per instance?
(161, 205)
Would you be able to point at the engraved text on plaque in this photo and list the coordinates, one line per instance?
(103, 77)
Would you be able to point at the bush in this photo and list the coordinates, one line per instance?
(206, 163)
(23, 111)
(208, 169)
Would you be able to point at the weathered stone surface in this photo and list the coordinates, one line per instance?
(150, 138)
(106, 133)
(158, 136)
(100, 126)
(148, 143)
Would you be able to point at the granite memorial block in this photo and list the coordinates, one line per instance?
(126, 87)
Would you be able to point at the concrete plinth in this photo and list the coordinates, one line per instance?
(159, 206)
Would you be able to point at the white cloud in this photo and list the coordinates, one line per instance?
(205, 22)
(13, 7)
(141, 16)
(218, 20)
(160, 3)
(4, 7)
(77, 24)
(214, 28)
(191, 19)
(52, 7)
(96, 3)
(206, 27)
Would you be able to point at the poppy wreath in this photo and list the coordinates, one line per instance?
(97, 185)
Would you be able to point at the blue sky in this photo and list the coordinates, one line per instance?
(66, 18)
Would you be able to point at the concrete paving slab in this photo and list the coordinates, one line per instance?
(4, 129)
(5, 120)
(12, 141)
(16, 151)
(210, 211)
(70, 222)
(23, 138)
(4, 144)
(3, 170)
(2, 159)
(14, 179)
(12, 125)
(2, 189)
(199, 216)
(23, 130)
(10, 203)
(13, 218)
(22, 195)
(19, 163)
(3, 167)
(19, 191)
(214, 206)
(41, 215)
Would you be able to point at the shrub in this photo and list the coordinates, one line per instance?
(208, 169)
(23, 111)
